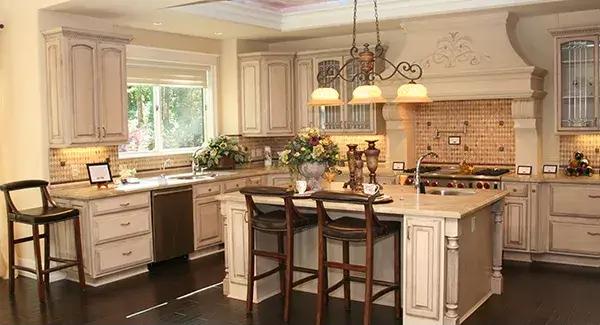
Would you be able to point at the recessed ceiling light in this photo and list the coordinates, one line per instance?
(157, 23)
(218, 33)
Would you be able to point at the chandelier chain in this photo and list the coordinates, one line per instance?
(354, 25)
(376, 22)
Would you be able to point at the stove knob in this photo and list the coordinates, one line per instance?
(435, 183)
(426, 182)
(450, 184)
(460, 185)
(409, 181)
(486, 186)
(479, 185)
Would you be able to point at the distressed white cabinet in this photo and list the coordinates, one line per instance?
(86, 87)
(577, 70)
(516, 223)
(208, 223)
(266, 94)
(520, 225)
(422, 266)
(346, 118)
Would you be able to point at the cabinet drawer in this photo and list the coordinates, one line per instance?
(207, 189)
(234, 185)
(258, 180)
(281, 181)
(120, 225)
(575, 200)
(139, 200)
(517, 189)
(123, 253)
(575, 238)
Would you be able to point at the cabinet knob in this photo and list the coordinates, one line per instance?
(533, 191)
(126, 224)
(514, 189)
(126, 253)
(126, 204)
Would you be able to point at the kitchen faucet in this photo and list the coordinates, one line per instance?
(420, 187)
(194, 165)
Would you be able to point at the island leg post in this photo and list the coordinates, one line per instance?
(497, 280)
(452, 271)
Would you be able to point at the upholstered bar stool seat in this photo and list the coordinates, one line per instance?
(354, 229)
(285, 223)
(45, 215)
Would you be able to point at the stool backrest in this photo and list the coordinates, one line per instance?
(24, 185)
(348, 198)
(269, 191)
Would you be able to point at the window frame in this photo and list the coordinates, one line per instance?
(208, 61)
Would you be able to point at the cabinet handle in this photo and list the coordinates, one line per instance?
(514, 189)
(532, 191)
(126, 253)
(246, 216)
(126, 204)
(593, 233)
(99, 133)
(104, 132)
(126, 224)
(594, 196)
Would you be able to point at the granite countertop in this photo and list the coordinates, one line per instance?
(550, 178)
(406, 202)
(86, 192)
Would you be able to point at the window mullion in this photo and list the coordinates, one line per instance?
(157, 119)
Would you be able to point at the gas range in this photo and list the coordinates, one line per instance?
(482, 178)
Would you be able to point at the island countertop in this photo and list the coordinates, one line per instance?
(406, 202)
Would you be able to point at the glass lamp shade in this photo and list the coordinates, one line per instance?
(367, 94)
(412, 93)
(325, 97)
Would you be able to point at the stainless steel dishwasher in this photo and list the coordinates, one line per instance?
(172, 223)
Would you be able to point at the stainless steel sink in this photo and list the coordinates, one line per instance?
(445, 192)
(192, 177)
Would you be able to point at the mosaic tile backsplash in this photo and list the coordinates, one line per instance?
(69, 165)
(588, 144)
(489, 137)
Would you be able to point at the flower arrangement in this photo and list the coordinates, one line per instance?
(309, 146)
(218, 149)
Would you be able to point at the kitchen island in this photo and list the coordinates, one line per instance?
(451, 250)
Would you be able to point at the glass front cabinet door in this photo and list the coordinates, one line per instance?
(577, 70)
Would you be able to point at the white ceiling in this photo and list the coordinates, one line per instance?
(289, 19)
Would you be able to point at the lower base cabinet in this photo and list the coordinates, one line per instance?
(208, 223)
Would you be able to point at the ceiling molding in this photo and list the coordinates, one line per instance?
(330, 14)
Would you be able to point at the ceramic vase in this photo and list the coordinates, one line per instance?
(312, 172)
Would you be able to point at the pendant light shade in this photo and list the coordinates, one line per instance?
(325, 97)
(367, 94)
(412, 93)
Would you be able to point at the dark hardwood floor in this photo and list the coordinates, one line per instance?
(534, 295)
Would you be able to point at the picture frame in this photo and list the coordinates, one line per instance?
(99, 173)
(550, 169)
(398, 166)
(524, 170)
(454, 140)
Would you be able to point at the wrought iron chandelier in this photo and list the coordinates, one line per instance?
(365, 60)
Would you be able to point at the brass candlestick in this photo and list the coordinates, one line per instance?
(359, 175)
(351, 156)
(372, 155)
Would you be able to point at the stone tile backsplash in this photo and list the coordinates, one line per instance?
(489, 137)
(589, 144)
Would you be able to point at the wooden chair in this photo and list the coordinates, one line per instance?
(346, 230)
(42, 216)
(285, 223)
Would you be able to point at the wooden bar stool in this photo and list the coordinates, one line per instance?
(346, 230)
(43, 216)
(286, 223)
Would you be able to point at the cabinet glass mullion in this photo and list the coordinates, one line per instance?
(357, 117)
(578, 83)
(330, 117)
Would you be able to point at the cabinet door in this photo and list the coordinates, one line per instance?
(250, 97)
(208, 224)
(113, 92)
(304, 88)
(83, 75)
(422, 267)
(577, 83)
(278, 97)
(330, 118)
(515, 223)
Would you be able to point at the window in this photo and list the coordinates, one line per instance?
(165, 118)
(170, 101)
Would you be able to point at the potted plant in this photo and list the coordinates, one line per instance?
(221, 152)
(309, 154)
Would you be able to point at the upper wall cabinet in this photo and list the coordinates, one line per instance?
(333, 119)
(86, 87)
(577, 69)
(266, 94)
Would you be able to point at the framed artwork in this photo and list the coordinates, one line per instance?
(398, 166)
(524, 170)
(550, 169)
(99, 173)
